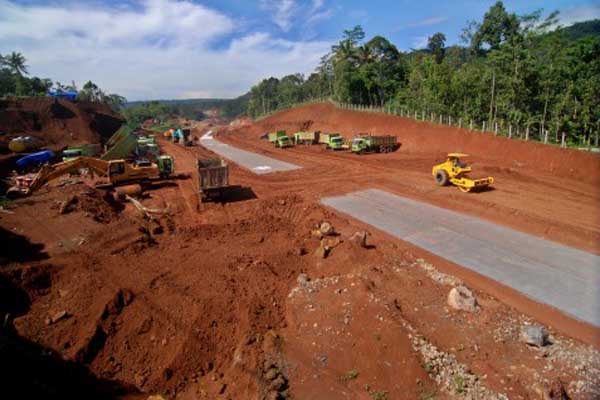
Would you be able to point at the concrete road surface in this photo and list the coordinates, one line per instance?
(550, 273)
(252, 161)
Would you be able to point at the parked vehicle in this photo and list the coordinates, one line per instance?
(306, 137)
(213, 179)
(280, 139)
(374, 144)
(88, 150)
(333, 141)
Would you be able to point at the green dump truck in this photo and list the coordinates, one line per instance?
(333, 141)
(306, 137)
(88, 150)
(374, 144)
(213, 179)
(280, 139)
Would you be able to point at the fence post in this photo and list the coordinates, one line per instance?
(471, 125)
(422, 115)
(416, 114)
(546, 137)
(562, 141)
(527, 133)
(496, 129)
(483, 127)
(509, 131)
(460, 122)
(440, 119)
(450, 120)
(432, 116)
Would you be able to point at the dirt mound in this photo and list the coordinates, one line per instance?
(424, 137)
(97, 204)
(56, 123)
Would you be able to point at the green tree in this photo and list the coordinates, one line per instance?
(436, 45)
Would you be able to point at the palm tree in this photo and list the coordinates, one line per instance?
(16, 62)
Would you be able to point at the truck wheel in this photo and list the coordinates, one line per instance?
(441, 178)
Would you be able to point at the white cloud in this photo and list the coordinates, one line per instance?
(283, 12)
(573, 15)
(428, 22)
(287, 14)
(157, 49)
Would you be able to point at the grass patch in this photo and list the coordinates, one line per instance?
(379, 395)
(350, 375)
(459, 385)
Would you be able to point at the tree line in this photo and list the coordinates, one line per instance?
(14, 81)
(519, 70)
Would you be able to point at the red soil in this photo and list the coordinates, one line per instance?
(56, 123)
(204, 302)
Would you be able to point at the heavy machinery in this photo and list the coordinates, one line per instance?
(117, 171)
(87, 150)
(280, 139)
(374, 144)
(333, 141)
(213, 178)
(454, 171)
(306, 137)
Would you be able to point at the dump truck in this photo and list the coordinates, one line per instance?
(213, 179)
(374, 144)
(333, 141)
(454, 171)
(117, 171)
(280, 139)
(88, 150)
(308, 137)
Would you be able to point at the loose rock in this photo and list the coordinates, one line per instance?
(534, 335)
(461, 298)
(359, 238)
(326, 228)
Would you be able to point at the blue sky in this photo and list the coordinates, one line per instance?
(148, 49)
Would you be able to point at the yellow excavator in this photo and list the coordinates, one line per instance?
(117, 171)
(454, 171)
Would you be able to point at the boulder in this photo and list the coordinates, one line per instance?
(534, 335)
(359, 238)
(326, 228)
(461, 298)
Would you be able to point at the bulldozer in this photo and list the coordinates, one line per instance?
(454, 171)
(117, 171)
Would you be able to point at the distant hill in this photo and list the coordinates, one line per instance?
(583, 29)
(195, 108)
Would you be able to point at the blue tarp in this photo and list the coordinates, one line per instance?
(35, 158)
(63, 94)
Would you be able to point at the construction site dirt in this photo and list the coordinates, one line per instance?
(248, 298)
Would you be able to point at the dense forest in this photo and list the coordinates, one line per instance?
(518, 70)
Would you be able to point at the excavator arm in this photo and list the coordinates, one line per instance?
(50, 172)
